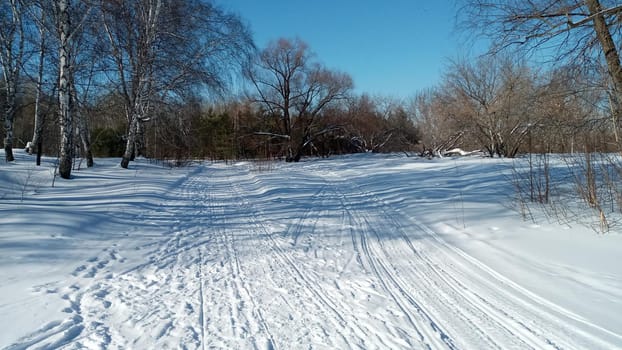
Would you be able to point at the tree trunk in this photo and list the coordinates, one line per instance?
(11, 66)
(39, 151)
(9, 116)
(83, 132)
(131, 141)
(610, 51)
(38, 127)
(300, 147)
(139, 143)
(65, 100)
(297, 154)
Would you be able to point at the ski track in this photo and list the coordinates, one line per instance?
(501, 313)
(322, 303)
(331, 266)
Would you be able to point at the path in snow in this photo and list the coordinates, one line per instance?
(305, 258)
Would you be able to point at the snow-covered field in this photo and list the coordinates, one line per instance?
(365, 251)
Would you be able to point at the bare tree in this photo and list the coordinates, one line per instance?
(368, 128)
(472, 91)
(83, 109)
(12, 41)
(276, 75)
(40, 20)
(160, 47)
(69, 18)
(131, 30)
(379, 124)
(440, 130)
(569, 110)
(576, 28)
(295, 89)
(493, 99)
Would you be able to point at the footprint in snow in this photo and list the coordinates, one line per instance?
(189, 309)
(91, 273)
(78, 270)
(100, 294)
(44, 288)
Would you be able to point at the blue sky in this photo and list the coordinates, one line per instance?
(390, 47)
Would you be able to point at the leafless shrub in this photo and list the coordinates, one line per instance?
(580, 189)
(595, 179)
(522, 190)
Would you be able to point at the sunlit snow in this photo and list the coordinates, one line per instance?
(366, 251)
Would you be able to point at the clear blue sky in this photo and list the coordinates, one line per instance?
(390, 47)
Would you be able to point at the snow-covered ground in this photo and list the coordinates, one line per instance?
(365, 251)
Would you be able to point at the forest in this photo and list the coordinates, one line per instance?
(154, 78)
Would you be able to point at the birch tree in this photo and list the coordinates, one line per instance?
(131, 29)
(65, 91)
(69, 17)
(12, 40)
(82, 112)
(160, 47)
(40, 16)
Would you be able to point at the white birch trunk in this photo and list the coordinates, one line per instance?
(38, 122)
(131, 141)
(83, 132)
(65, 99)
(140, 87)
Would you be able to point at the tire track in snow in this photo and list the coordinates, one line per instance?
(239, 291)
(431, 297)
(541, 313)
(305, 216)
(381, 259)
(506, 313)
(517, 315)
(342, 326)
(219, 320)
(439, 300)
(351, 218)
(286, 260)
(243, 291)
(389, 281)
(332, 199)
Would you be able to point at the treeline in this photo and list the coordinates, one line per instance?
(150, 78)
(504, 107)
(499, 106)
(237, 129)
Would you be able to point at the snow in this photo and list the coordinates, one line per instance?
(364, 251)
